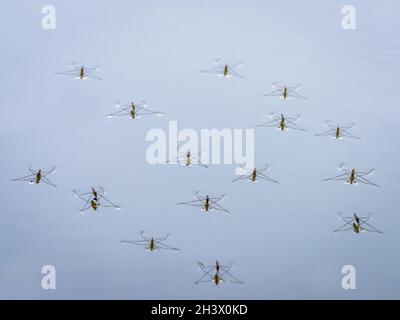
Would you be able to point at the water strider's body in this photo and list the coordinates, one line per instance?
(253, 177)
(82, 73)
(206, 207)
(217, 274)
(285, 93)
(337, 132)
(151, 243)
(206, 203)
(94, 202)
(282, 124)
(217, 279)
(352, 177)
(188, 159)
(357, 224)
(225, 70)
(38, 176)
(133, 112)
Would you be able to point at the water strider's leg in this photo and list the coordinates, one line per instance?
(241, 178)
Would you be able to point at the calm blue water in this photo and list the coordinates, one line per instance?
(278, 236)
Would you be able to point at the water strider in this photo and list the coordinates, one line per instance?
(282, 123)
(217, 274)
(254, 174)
(151, 243)
(187, 159)
(81, 73)
(353, 177)
(37, 176)
(94, 199)
(338, 132)
(225, 70)
(285, 92)
(206, 203)
(134, 111)
(357, 224)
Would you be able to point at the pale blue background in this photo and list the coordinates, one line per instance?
(280, 237)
